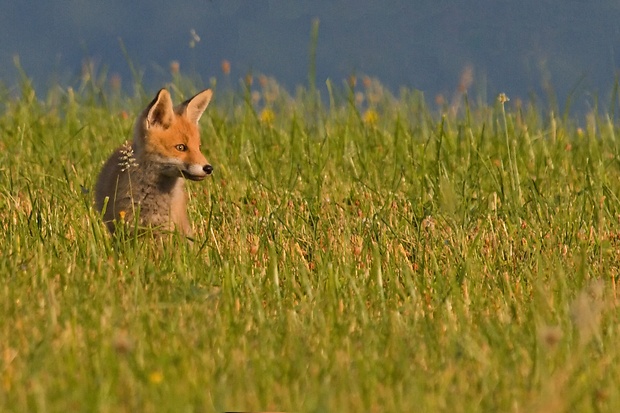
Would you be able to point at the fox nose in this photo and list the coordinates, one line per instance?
(208, 169)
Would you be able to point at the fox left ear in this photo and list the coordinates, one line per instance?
(160, 111)
(194, 107)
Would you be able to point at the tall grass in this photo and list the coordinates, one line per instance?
(374, 254)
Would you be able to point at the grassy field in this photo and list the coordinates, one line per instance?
(359, 252)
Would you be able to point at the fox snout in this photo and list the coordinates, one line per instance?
(197, 172)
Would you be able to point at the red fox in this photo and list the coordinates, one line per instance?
(146, 176)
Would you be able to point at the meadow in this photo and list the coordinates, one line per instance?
(361, 251)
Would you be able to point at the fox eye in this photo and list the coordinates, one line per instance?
(181, 147)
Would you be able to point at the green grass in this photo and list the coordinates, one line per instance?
(402, 259)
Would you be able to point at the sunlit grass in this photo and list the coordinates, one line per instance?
(373, 254)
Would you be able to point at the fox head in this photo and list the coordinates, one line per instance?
(168, 136)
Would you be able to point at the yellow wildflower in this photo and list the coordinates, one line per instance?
(156, 377)
(370, 117)
(267, 116)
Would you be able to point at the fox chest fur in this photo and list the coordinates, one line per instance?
(145, 180)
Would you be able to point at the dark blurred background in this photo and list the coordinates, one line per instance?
(517, 47)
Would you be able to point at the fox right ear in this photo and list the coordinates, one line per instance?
(195, 106)
(160, 111)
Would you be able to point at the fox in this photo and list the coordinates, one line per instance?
(145, 179)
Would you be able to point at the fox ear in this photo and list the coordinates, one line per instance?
(193, 108)
(160, 110)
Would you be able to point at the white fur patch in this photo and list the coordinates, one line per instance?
(196, 170)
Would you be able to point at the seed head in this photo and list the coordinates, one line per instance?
(225, 67)
(175, 67)
(127, 159)
(194, 38)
